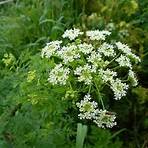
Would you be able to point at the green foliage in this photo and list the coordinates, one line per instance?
(81, 134)
(104, 140)
(32, 112)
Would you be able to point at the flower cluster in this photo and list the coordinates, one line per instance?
(89, 61)
(107, 75)
(85, 48)
(132, 78)
(127, 51)
(107, 49)
(124, 61)
(50, 48)
(97, 34)
(89, 110)
(59, 75)
(72, 33)
(68, 53)
(124, 48)
(118, 88)
(105, 119)
(95, 58)
(85, 73)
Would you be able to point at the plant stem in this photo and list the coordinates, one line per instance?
(81, 134)
(99, 96)
(89, 89)
(114, 58)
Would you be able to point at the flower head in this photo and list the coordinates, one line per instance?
(105, 119)
(88, 62)
(107, 75)
(72, 33)
(50, 48)
(135, 58)
(123, 61)
(97, 34)
(69, 53)
(107, 50)
(85, 48)
(123, 47)
(59, 75)
(132, 78)
(85, 73)
(118, 88)
(95, 58)
(88, 109)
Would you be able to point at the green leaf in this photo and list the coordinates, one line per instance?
(81, 134)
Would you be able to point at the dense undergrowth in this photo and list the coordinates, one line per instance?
(32, 113)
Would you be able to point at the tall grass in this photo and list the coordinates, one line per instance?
(31, 23)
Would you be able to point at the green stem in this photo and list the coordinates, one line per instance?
(81, 134)
(114, 58)
(70, 85)
(99, 96)
(89, 89)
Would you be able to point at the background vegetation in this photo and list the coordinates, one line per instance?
(31, 113)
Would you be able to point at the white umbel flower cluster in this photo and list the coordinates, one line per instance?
(127, 51)
(85, 48)
(69, 53)
(119, 88)
(95, 58)
(135, 58)
(107, 75)
(59, 75)
(97, 34)
(132, 78)
(85, 73)
(72, 33)
(105, 119)
(91, 63)
(123, 47)
(50, 49)
(88, 109)
(107, 49)
(123, 61)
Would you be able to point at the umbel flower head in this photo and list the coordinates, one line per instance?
(87, 62)
(85, 73)
(88, 109)
(105, 119)
(59, 75)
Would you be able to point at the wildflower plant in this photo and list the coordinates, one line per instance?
(87, 63)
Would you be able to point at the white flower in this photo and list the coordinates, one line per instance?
(69, 53)
(123, 47)
(132, 78)
(105, 119)
(50, 49)
(134, 57)
(84, 73)
(107, 75)
(107, 49)
(119, 89)
(97, 34)
(85, 48)
(94, 58)
(72, 33)
(88, 109)
(123, 61)
(59, 75)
